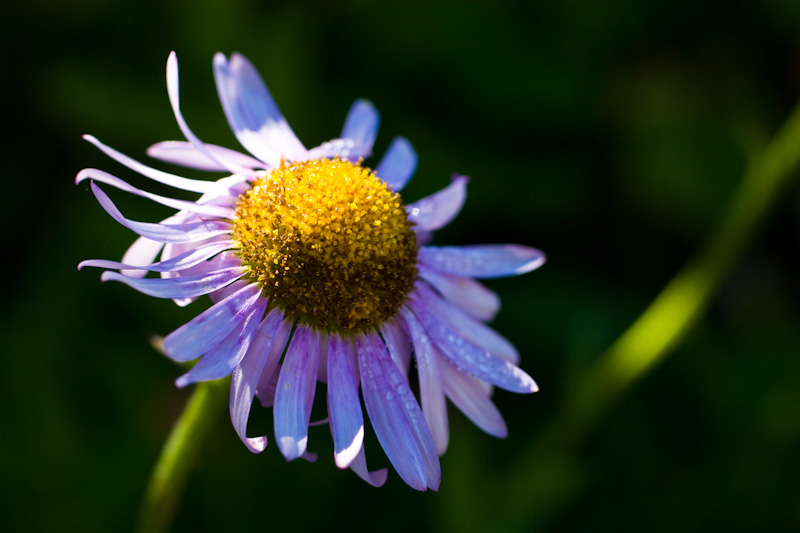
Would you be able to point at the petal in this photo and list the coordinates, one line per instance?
(359, 466)
(174, 100)
(245, 378)
(397, 164)
(467, 327)
(194, 207)
(482, 261)
(156, 175)
(181, 262)
(295, 393)
(396, 417)
(207, 329)
(471, 358)
(225, 356)
(143, 251)
(179, 287)
(184, 154)
(467, 394)
(344, 406)
(268, 380)
(174, 233)
(397, 343)
(252, 113)
(466, 293)
(431, 392)
(438, 209)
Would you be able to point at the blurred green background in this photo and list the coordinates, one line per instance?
(609, 134)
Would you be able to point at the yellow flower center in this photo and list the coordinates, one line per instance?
(329, 242)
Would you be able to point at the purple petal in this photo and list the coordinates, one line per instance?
(268, 380)
(467, 394)
(397, 343)
(207, 329)
(398, 164)
(466, 293)
(174, 99)
(184, 154)
(225, 356)
(183, 287)
(438, 209)
(361, 127)
(183, 205)
(162, 177)
(245, 378)
(295, 393)
(141, 252)
(431, 393)
(167, 233)
(344, 406)
(252, 113)
(396, 417)
(181, 262)
(482, 261)
(467, 327)
(471, 358)
(359, 466)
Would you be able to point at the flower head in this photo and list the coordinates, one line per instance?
(317, 271)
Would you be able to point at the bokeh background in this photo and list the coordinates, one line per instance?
(609, 134)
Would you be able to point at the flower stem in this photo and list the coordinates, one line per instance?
(178, 454)
(551, 474)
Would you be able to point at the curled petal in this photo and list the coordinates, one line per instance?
(207, 329)
(466, 293)
(438, 209)
(184, 154)
(143, 251)
(482, 261)
(471, 358)
(252, 112)
(165, 233)
(225, 356)
(194, 207)
(183, 287)
(344, 406)
(396, 417)
(156, 175)
(174, 99)
(359, 466)
(244, 378)
(398, 164)
(174, 264)
(295, 393)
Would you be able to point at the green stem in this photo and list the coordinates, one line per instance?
(178, 455)
(550, 473)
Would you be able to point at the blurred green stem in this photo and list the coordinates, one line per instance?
(178, 456)
(551, 472)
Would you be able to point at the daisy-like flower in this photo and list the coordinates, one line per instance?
(318, 272)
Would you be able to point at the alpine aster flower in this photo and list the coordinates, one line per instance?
(318, 272)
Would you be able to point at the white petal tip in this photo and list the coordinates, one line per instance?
(344, 457)
(292, 448)
(256, 444)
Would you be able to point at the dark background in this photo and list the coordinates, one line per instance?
(609, 134)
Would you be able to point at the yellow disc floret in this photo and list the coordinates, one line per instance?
(329, 242)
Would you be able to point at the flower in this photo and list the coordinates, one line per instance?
(318, 272)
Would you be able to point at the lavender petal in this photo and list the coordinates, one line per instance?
(470, 398)
(209, 328)
(398, 164)
(183, 287)
(482, 261)
(438, 209)
(344, 406)
(466, 293)
(184, 154)
(174, 264)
